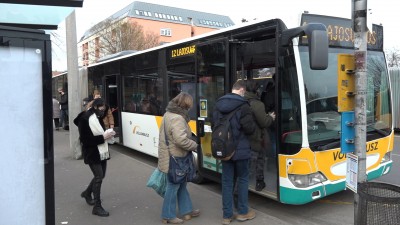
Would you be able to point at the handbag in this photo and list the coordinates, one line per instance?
(181, 169)
(158, 181)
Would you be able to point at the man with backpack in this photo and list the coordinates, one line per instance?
(236, 166)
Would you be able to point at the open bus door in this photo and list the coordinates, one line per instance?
(111, 89)
(219, 64)
(253, 57)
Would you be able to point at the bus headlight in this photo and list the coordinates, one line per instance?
(386, 157)
(303, 181)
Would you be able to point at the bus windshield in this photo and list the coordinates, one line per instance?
(323, 118)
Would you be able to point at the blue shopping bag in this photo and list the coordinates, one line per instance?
(158, 181)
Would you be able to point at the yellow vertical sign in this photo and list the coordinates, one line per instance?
(346, 82)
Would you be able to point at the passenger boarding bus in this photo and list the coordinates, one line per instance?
(305, 162)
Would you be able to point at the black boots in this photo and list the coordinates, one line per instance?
(260, 184)
(88, 197)
(98, 210)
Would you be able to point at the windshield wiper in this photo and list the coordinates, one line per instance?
(379, 131)
(334, 144)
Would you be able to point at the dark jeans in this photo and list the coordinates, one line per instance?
(64, 118)
(99, 172)
(56, 122)
(230, 170)
(260, 162)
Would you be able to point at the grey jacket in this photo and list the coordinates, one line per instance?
(56, 108)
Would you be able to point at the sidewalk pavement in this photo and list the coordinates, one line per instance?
(124, 193)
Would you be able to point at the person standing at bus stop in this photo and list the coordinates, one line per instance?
(242, 124)
(175, 139)
(64, 108)
(95, 151)
(259, 140)
(56, 113)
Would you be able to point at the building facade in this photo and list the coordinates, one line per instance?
(170, 23)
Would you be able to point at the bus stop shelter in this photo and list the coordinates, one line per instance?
(27, 162)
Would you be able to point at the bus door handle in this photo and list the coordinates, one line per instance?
(200, 127)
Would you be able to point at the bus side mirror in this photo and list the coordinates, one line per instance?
(318, 47)
(318, 43)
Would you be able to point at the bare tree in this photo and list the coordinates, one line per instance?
(393, 57)
(58, 48)
(117, 36)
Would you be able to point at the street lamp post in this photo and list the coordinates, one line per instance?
(359, 16)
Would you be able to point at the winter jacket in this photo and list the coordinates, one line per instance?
(64, 101)
(56, 109)
(260, 138)
(242, 122)
(175, 124)
(89, 141)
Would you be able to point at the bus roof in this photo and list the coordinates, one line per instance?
(184, 40)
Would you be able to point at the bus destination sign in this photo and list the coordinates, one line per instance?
(340, 32)
(184, 51)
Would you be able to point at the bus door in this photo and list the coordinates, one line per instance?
(211, 72)
(111, 97)
(253, 57)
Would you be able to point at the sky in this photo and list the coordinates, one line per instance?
(383, 12)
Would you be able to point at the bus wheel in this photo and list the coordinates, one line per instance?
(198, 179)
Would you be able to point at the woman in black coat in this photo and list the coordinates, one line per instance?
(95, 151)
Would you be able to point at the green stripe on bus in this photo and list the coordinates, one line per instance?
(302, 196)
(209, 165)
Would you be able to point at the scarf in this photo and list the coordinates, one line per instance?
(97, 129)
(174, 108)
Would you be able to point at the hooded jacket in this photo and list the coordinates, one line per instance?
(242, 122)
(263, 121)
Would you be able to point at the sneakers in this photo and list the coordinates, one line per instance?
(249, 216)
(227, 221)
(194, 213)
(172, 221)
(260, 184)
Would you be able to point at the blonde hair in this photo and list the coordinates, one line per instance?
(183, 100)
(96, 93)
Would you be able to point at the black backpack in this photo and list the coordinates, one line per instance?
(223, 143)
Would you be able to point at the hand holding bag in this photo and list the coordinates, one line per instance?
(181, 169)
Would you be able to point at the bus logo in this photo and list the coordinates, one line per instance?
(136, 130)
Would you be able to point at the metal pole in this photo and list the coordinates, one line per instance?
(359, 15)
(74, 96)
